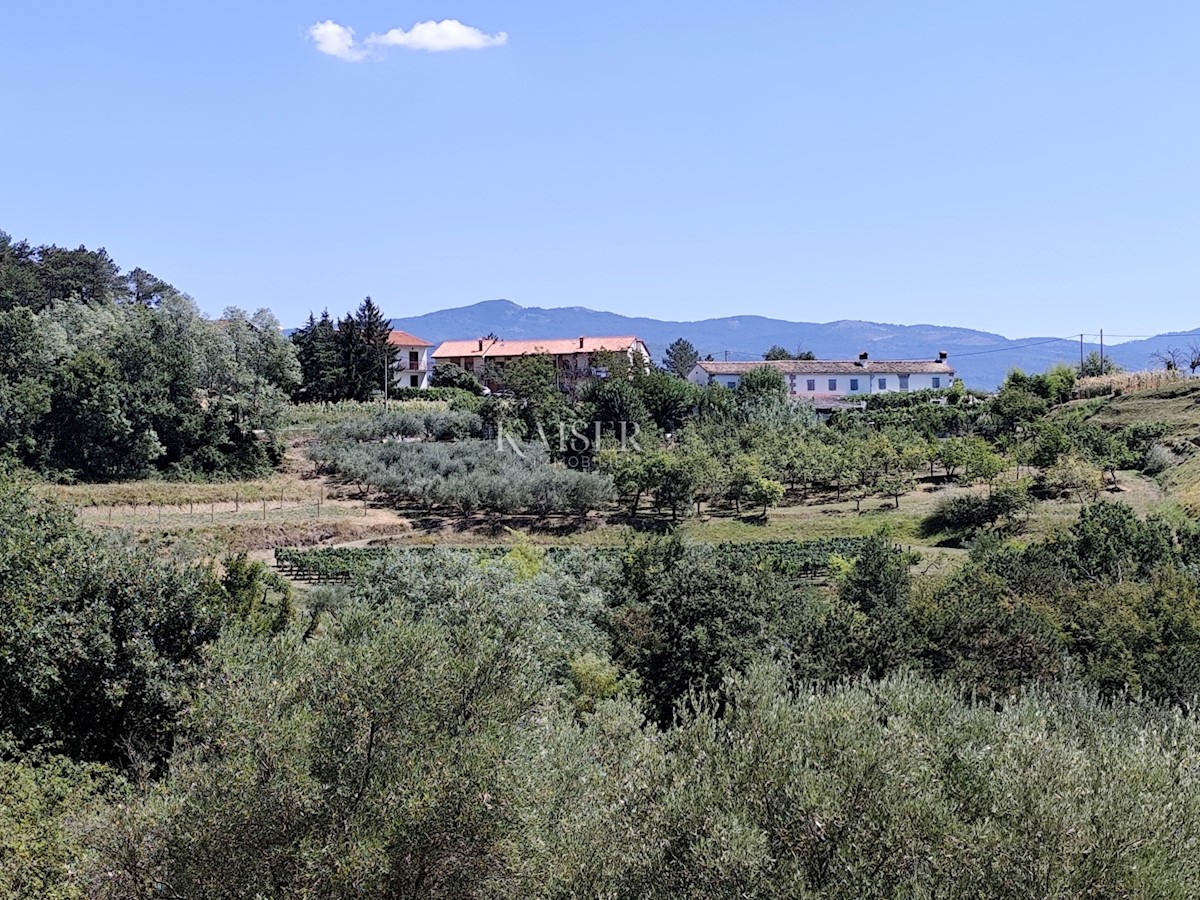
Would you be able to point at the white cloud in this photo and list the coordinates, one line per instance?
(448, 34)
(336, 40)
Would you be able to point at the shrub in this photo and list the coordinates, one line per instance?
(1158, 459)
(98, 636)
(467, 476)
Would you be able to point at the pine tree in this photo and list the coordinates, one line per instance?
(378, 356)
(681, 356)
(320, 367)
(363, 350)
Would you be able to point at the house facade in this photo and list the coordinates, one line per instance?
(574, 358)
(822, 380)
(413, 367)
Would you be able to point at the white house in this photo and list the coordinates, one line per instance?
(825, 379)
(574, 358)
(413, 367)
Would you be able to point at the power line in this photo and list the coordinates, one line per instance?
(1072, 339)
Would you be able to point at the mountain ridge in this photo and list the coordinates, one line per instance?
(981, 358)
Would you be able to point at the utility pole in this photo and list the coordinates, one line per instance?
(1101, 351)
(1081, 355)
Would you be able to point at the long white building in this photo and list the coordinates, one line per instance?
(826, 379)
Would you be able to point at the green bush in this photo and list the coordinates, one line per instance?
(44, 800)
(98, 636)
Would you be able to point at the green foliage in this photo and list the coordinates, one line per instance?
(765, 492)
(776, 352)
(1158, 459)
(255, 595)
(1075, 477)
(792, 558)
(668, 400)
(612, 401)
(105, 377)
(1015, 405)
(97, 636)
(762, 382)
(1114, 600)
(533, 383)
(346, 361)
(450, 375)
(673, 622)
(320, 366)
(464, 477)
(373, 756)
(879, 579)
(964, 515)
(43, 800)
(419, 423)
(680, 358)
(597, 678)
(475, 724)
(1094, 365)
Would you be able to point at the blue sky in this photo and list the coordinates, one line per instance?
(1026, 168)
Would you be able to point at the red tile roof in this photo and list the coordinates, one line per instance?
(538, 346)
(404, 339)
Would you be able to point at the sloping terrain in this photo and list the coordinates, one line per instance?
(1176, 406)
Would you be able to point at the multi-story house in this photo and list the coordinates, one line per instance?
(413, 367)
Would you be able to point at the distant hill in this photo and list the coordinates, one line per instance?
(981, 358)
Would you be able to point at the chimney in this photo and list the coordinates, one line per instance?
(481, 345)
(862, 355)
(942, 354)
(581, 342)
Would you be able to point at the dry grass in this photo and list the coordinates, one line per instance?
(1127, 382)
(290, 488)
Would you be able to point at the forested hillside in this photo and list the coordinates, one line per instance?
(106, 374)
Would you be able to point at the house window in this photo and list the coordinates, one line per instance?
(833, 384)
(731, 384)
(883, 384)
(414, 380)
(854, 384)
(904, 382)
(811, 384)
(937, 381)
(414, 359)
